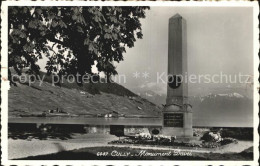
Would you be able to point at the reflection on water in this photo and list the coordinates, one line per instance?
(64, 128)
(198, 122)
(28, 131)
(90, 121)
(42, 131)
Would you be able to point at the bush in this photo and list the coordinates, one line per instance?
(226, 141)
(211, 137)
(143, 136)
(163, 139)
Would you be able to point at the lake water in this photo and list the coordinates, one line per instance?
(121, 121)
(90, 121)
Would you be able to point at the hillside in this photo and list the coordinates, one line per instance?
(87, 100)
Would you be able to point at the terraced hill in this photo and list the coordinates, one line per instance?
(87, 100)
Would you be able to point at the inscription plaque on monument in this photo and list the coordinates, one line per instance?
(173, 120)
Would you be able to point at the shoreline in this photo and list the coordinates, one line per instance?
(143, 121)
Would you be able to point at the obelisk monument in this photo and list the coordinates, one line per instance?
(177, 114)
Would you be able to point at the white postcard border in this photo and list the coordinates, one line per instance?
(5, 84)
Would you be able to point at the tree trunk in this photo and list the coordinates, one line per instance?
(84, 66)
(108, 75)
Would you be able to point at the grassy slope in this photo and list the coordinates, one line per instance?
(98, 98)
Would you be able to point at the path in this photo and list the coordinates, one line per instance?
(24, 148)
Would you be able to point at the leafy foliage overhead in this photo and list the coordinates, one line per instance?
(73, 38)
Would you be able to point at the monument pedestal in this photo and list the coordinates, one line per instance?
(177, 121)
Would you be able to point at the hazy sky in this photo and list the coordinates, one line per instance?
(219, 39)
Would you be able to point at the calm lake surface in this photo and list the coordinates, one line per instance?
(121, 121)
(90, 121)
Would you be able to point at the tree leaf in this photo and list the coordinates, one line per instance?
(90, 34)
(79, 29)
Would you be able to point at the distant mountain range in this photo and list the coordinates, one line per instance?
(158, 99)
(232, 109)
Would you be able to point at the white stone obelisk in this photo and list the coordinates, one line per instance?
(177, 114)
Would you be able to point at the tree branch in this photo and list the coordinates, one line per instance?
(53, 39)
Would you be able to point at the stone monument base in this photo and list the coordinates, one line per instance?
(177, 121)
